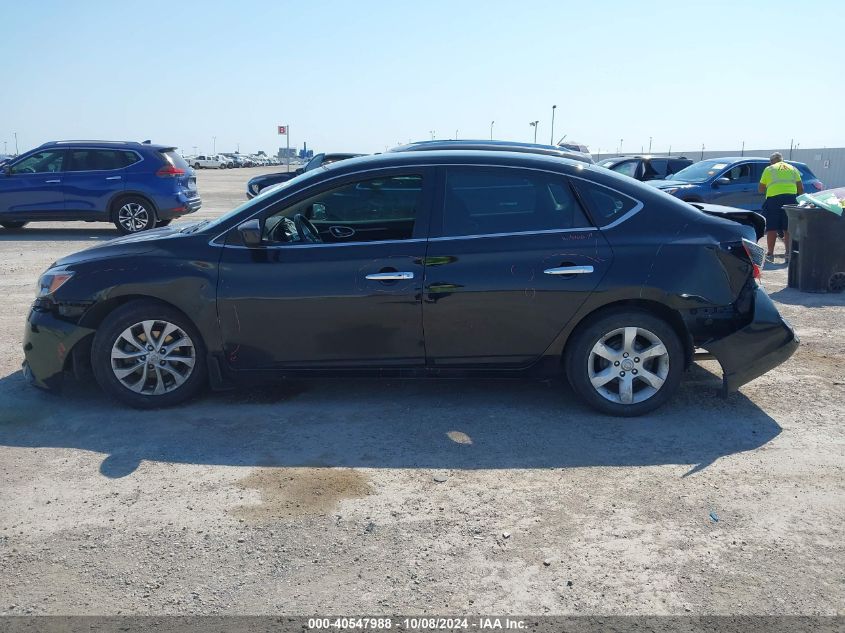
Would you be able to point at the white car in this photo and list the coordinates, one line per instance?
(207, 162)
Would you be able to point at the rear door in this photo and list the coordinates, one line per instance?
(512, 258)
(33, 187)
(92, 178)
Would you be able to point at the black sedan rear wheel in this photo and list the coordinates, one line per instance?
(148, 355)
(625, 363)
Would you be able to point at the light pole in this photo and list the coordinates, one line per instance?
(214, 146)
(535, 125)
(702, 152)
(649, 145)
(432, 134)
(619, 151)
(16, 144)
(742, 151)
(491, 130)
(552, 136)
(456, 135)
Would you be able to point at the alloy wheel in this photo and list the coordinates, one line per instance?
(153, 357)
(628, 365)
(133, 217)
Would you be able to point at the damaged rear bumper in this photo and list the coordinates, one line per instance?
(761, 345)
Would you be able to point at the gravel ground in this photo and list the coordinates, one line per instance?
(420, 497)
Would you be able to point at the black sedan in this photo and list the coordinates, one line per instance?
(451, 263)
(255, 185)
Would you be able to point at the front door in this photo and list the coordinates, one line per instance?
(741, 189)
(348, 299)
(32, 188)
(510, 262)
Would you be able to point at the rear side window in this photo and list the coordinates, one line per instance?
(172, 156)
(99, 159)
(605, 205)
(487, 200)
(655, 168)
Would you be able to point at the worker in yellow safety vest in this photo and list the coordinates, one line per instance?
(781, 182)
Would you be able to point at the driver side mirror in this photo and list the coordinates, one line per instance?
(721, 181)
(251, 232)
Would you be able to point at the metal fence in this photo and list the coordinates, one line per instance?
(828, 164)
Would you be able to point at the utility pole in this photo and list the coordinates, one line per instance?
(619, 151)
(16, 144)
(791, 141)
(491, 130)
(214, 146)
(649, 145)
(456, 135)
(552, 136)
(432, 134)
(702, 152)
(535, 125)
(742, 152)
(670, 150)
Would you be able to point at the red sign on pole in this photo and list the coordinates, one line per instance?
(283, 129)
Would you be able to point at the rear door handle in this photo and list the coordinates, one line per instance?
(52, 182)
(569, 270)
(397, 276)
(114, 178)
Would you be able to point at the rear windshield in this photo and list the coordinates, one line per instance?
(173, 157)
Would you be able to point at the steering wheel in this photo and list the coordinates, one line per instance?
(306, 229)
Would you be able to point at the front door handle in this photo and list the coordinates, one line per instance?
(52, 182)
(569, 270)
(394, 276)
(113, 178)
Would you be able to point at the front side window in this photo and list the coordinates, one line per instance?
(628, 168)
(490, 200)
(48, 161)
(363, 211)
(606, 205)
(739, 174)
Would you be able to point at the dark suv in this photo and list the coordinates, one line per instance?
(646, 167)
(137, 186)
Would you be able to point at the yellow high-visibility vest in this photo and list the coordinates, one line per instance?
(780, 178)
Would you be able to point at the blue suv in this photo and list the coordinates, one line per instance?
(137, 186)
(731, 182)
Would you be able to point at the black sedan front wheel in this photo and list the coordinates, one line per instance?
(626, 363)
(148, 355)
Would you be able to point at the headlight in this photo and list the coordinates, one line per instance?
(254, 187)
(51, 281)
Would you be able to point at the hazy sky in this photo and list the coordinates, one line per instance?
(359, 76)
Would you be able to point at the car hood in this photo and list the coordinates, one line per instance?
(667, 184)
(134, 244)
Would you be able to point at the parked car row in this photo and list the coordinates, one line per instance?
(443, 262)
(730, 181)
(230, 161)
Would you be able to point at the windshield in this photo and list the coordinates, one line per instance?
(700, 172)
(261, 198)
(608, 162)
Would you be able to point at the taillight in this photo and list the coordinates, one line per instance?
(756, 255)
(170, 171)
(817, 185)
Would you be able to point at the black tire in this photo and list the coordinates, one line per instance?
(112, 330)
(163, 222)
(579, 358)
(143, 215)
(13, 225)
(196, 165)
